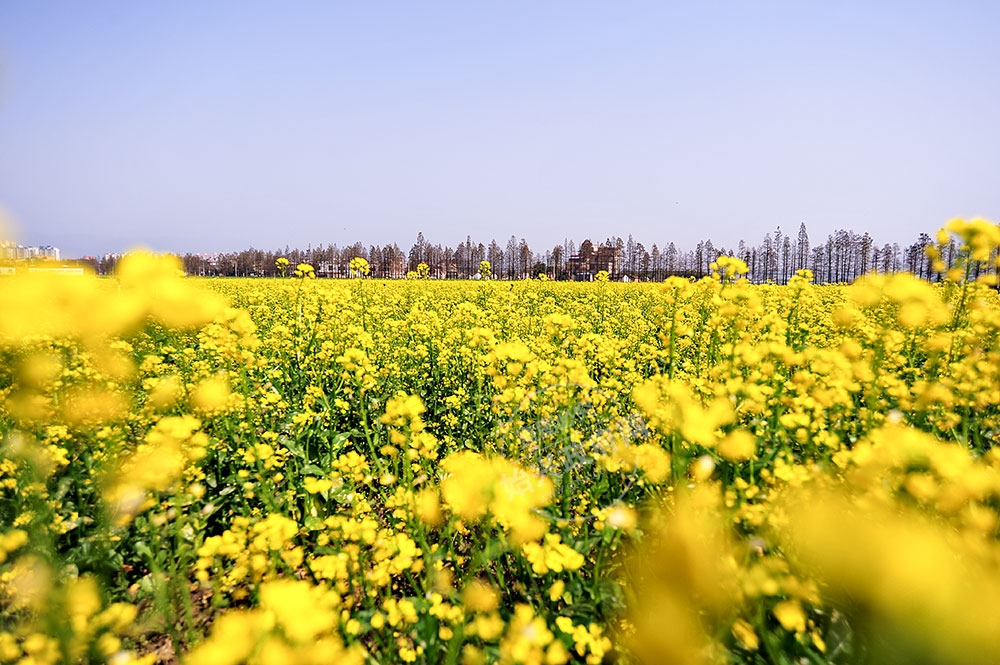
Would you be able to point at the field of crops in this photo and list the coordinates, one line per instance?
(360, 471)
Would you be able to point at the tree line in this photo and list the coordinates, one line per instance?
(841, 257)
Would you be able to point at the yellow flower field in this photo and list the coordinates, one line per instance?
(360, 471)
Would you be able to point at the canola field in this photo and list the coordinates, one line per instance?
(306, 471)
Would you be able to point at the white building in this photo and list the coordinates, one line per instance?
(11, 250)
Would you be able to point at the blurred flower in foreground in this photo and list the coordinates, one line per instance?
(919, 594)
(168, 450)
(684, 579)
(477, 485)
(295, 623)
(85, 308)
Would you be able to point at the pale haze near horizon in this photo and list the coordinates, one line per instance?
(200, 127)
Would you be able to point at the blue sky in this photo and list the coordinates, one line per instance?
(218, 126)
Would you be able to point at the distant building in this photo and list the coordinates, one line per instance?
(607, 258)
(8, 250)
(12, 251)
(581, 268)
(49, 252)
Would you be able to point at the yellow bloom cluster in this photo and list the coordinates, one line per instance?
(359, 267)
(92, 632)
(475, 486)
(295, 622)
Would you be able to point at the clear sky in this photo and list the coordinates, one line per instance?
(216, 126)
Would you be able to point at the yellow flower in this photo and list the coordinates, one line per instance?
(164, 392)
(233, 638)
(789, 613)
(428, 508)
(359, 266)
(92, 406)
(317, 485)
(737, 446)
(301, 610)
(211, 396)
(670, 408)
(529, 640)
(468, 487)
(621, 517)
(304, 271)
(480, 597)
(552, 555)
(745, 635)
(653, 461)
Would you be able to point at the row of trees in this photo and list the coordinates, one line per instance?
(842, 257)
